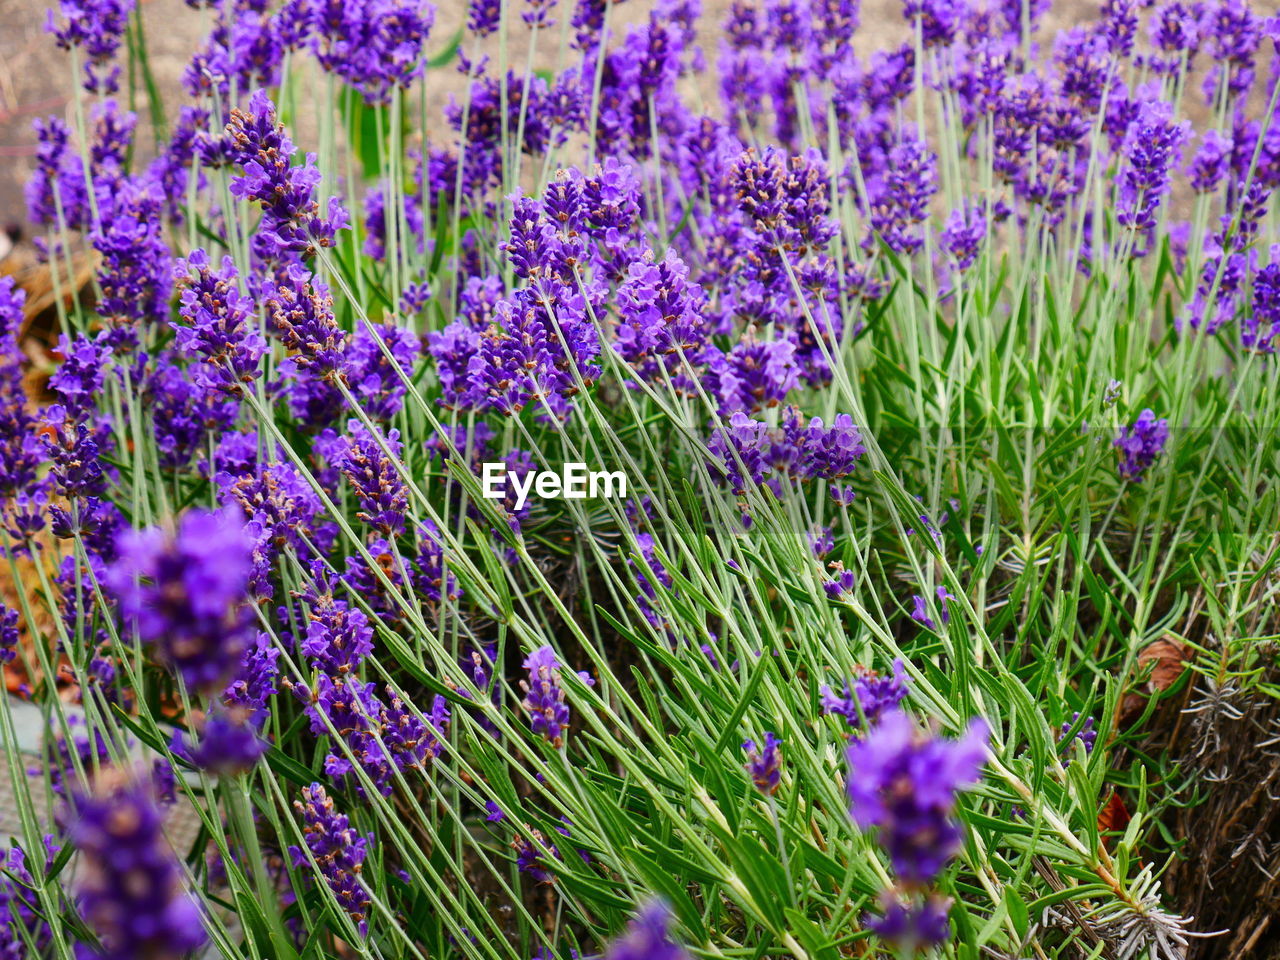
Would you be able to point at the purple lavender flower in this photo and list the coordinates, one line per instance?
(1153, 145)
(1119, 26)
(375, 45)
(16, 907)
(80, 376)
(218, 325)
(524, 357)
(432, 579)
(136, 266)
(414, 299)
(185, 592)
(654, 571)
(537, 13)
(912, 926)
(647, 937)
(282, 510)
(1140, 444)
(245, 49)
(868, 697)
(383, 739)
(130, 886)
(55, 193)
(73, 450)
(20, 449)
(754, 375)
(374, 477)
(338, 637)
(300, 308)
(937, 21)
(920, 609)
(97, 28)
(963, 233)
(376, 379)
(338, 852)
(821, 452)
(900, 195)
(1212, 162)
(1234, 34)
(484, 17)
(841, 581)
(903, 784)
(544, 697)
(742, 448)
(532, 855)
(452, 349)
(254, 681)
(183, 413)
(8, 635)
(170, 172)
(1086, 734)
(764, 765)
(1260, 327)
(229, 743)
(292, 222)
(659, 315)
(821, 541)
(533, 239)
(1174, 30)
(409, 740)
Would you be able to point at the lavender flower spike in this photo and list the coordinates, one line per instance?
(647, 937)
(1140, 445)
(97, 27)
(338, 850)
(132, 892)
(185, 592)
(764, 764)
(544, 697)
(867, 698)
(903, 784)
(1153, 145)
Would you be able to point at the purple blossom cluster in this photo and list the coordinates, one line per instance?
(374, 45)
(18, 908)
(764, 763)
(869, 696)
(647, 937)
(292, 223)
(337, 850)
(228, 743)
(218, 325)
(130, 888)
(383, 735)
(96, 28)
(1084, 733)
(750, 452)
(20, 450)
(1140, 444)
(385, 738)
(185, 591)
(902, 785)
(544, 697)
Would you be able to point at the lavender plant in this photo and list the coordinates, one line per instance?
(939, 376)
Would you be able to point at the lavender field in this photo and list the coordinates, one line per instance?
(549, 479)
